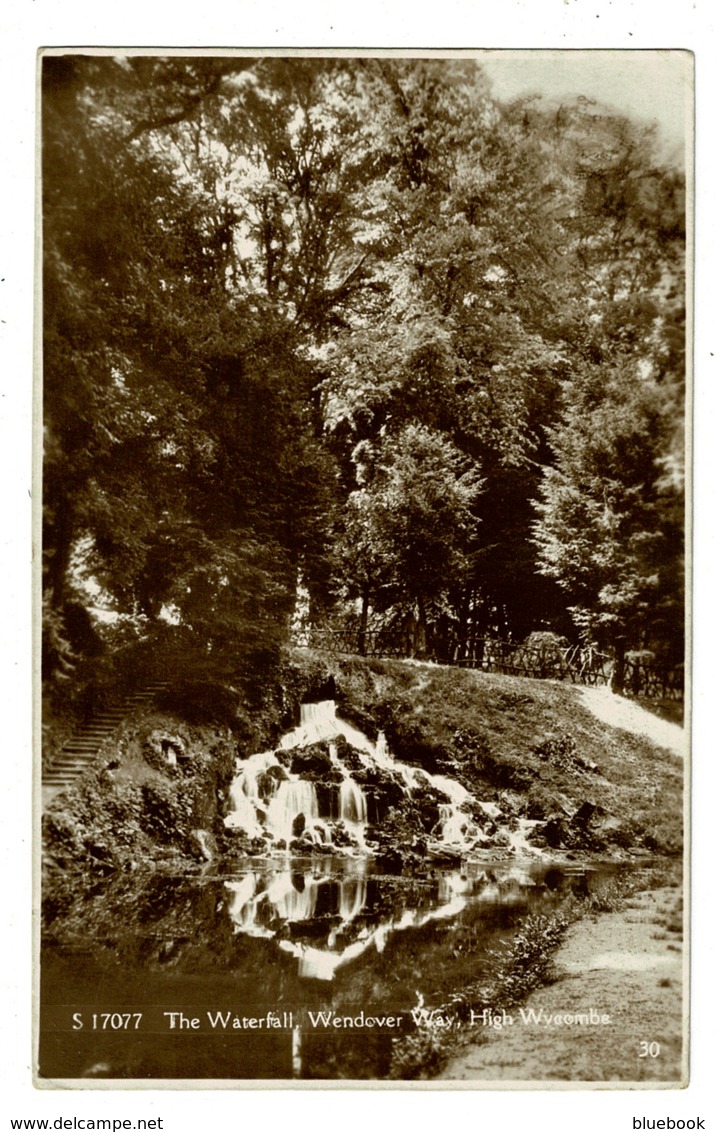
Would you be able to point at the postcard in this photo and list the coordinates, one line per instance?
(366, 392)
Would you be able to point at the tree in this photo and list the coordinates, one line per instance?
(457, 229)
(175, 402)
(609, 530)
(412, 527)
(328, 319)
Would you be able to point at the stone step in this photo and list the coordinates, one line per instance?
(95, 736)
(73, 760)
(80, 746)
(64, 767)
(64, 772)
(80, 751)
(69, 769)
(100, 736)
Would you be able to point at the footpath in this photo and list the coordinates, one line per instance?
(626, 965)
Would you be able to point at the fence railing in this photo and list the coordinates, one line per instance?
(575, 663)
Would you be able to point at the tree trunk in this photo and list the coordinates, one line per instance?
(58, 547)
(617, 680)
(423, 635)
(363, 626)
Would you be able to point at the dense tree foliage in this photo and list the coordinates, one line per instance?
(354, 327)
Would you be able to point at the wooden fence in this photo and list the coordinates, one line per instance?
(543, 661)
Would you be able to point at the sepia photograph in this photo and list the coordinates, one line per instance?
(363, 741)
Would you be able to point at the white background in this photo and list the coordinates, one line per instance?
(29, 24)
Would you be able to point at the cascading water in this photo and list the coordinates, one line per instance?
(293, 801)
(352, 803)
(276, 805)
(353, 809)
(454, 826)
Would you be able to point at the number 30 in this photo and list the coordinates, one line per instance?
(649, 1049)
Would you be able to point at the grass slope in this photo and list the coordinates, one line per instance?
(529, 745)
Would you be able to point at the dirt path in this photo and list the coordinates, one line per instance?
(629, 716)
(627, 965)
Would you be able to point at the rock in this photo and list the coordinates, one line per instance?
(203, 843)
(390, 862)
(314, 763)
(299, 825)
(164, 748)
(538, 840)
(340, 836)
(327, 794)
(584, 814)
(586, 764)
(348, 755)
(442, 855)
(499, 841)
(554, 833)
(267, 783)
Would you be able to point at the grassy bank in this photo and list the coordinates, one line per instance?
(530, 745)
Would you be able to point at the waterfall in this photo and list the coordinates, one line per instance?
(353, 810)
(267, 797)
(243, 815)
(453, 826)
(318, 722)
(382, 754)
(352, 803)
(292, 799)
(247, 806)
(454, 790)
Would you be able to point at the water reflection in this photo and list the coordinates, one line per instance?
(293, 936)
(262, 904)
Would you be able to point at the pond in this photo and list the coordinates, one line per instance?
(283, 969)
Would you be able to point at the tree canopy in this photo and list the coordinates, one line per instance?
(355, 327)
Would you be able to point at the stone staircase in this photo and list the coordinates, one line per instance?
(79, 752)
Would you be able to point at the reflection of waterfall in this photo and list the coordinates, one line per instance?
(296, 1061)
(257, 900)
(352, 898)
(291, 902)
(317, 963)
(337, 917)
